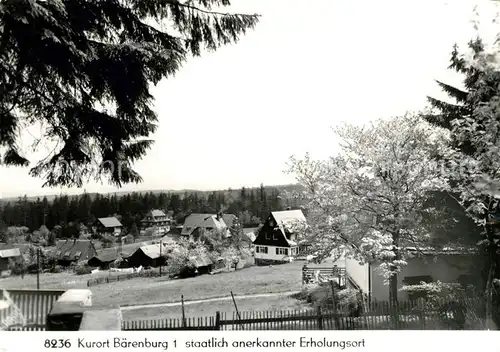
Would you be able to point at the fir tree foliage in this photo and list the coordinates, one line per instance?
(465, 100)
(82, 70)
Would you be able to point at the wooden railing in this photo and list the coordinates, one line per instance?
(310, 274)
(34, 305)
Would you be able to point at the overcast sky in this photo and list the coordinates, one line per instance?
(233, 118)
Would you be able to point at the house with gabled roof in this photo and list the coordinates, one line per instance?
(196, 223)
(109, 226)
(104, 258)
(276, 241)
(157, 220)
(152, 255)
(74, 251)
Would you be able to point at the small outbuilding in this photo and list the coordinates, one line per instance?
(202, 263)
(104, 258)
(148, 256)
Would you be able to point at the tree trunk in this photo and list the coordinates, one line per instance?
(490, 325)
(393, 288)
(393, 283)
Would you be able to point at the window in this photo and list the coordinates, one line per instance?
(416, 280)
(58, 253)
(67, 254)
(261, 249)
(282, 251)
(77, 255)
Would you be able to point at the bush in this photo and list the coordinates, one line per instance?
(56, 269)
(83, 269)
(107, 241)
(321, 296)
(16, 267)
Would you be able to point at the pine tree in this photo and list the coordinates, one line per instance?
(464, 104)
(83, 68)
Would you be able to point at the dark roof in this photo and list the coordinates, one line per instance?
(175, 230)
(107, 255)
(153, 251)
(72, 248)
(110, 222)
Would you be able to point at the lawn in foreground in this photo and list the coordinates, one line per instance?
(253, 280)
(209, 309)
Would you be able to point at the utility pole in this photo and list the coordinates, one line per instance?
(161, 259)
(38, 268)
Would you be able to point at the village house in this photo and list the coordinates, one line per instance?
(174, 234)
(249, 235)
(109, 226)
(195, 224)
(104, 258)
(74, 251)
(8, 254)
(156, 220)
(152, 255)
(428, 265)
(275, 242)
(202, 263)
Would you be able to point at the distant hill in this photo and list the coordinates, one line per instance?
(234, 192)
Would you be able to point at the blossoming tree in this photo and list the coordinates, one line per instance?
(371, 198)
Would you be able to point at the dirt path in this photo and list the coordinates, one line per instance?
(216, 299)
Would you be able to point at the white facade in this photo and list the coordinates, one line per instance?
(275, 253)
(117, 231)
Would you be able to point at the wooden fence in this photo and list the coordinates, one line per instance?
(408, 315)
(121, 277)
(34, 305)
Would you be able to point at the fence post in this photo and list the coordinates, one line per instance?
(421, 308)
(217, 321)
(320, 318)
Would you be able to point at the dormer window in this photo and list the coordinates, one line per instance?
(77, 255)
(66, 255)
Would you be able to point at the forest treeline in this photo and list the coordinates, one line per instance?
(249, 204)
